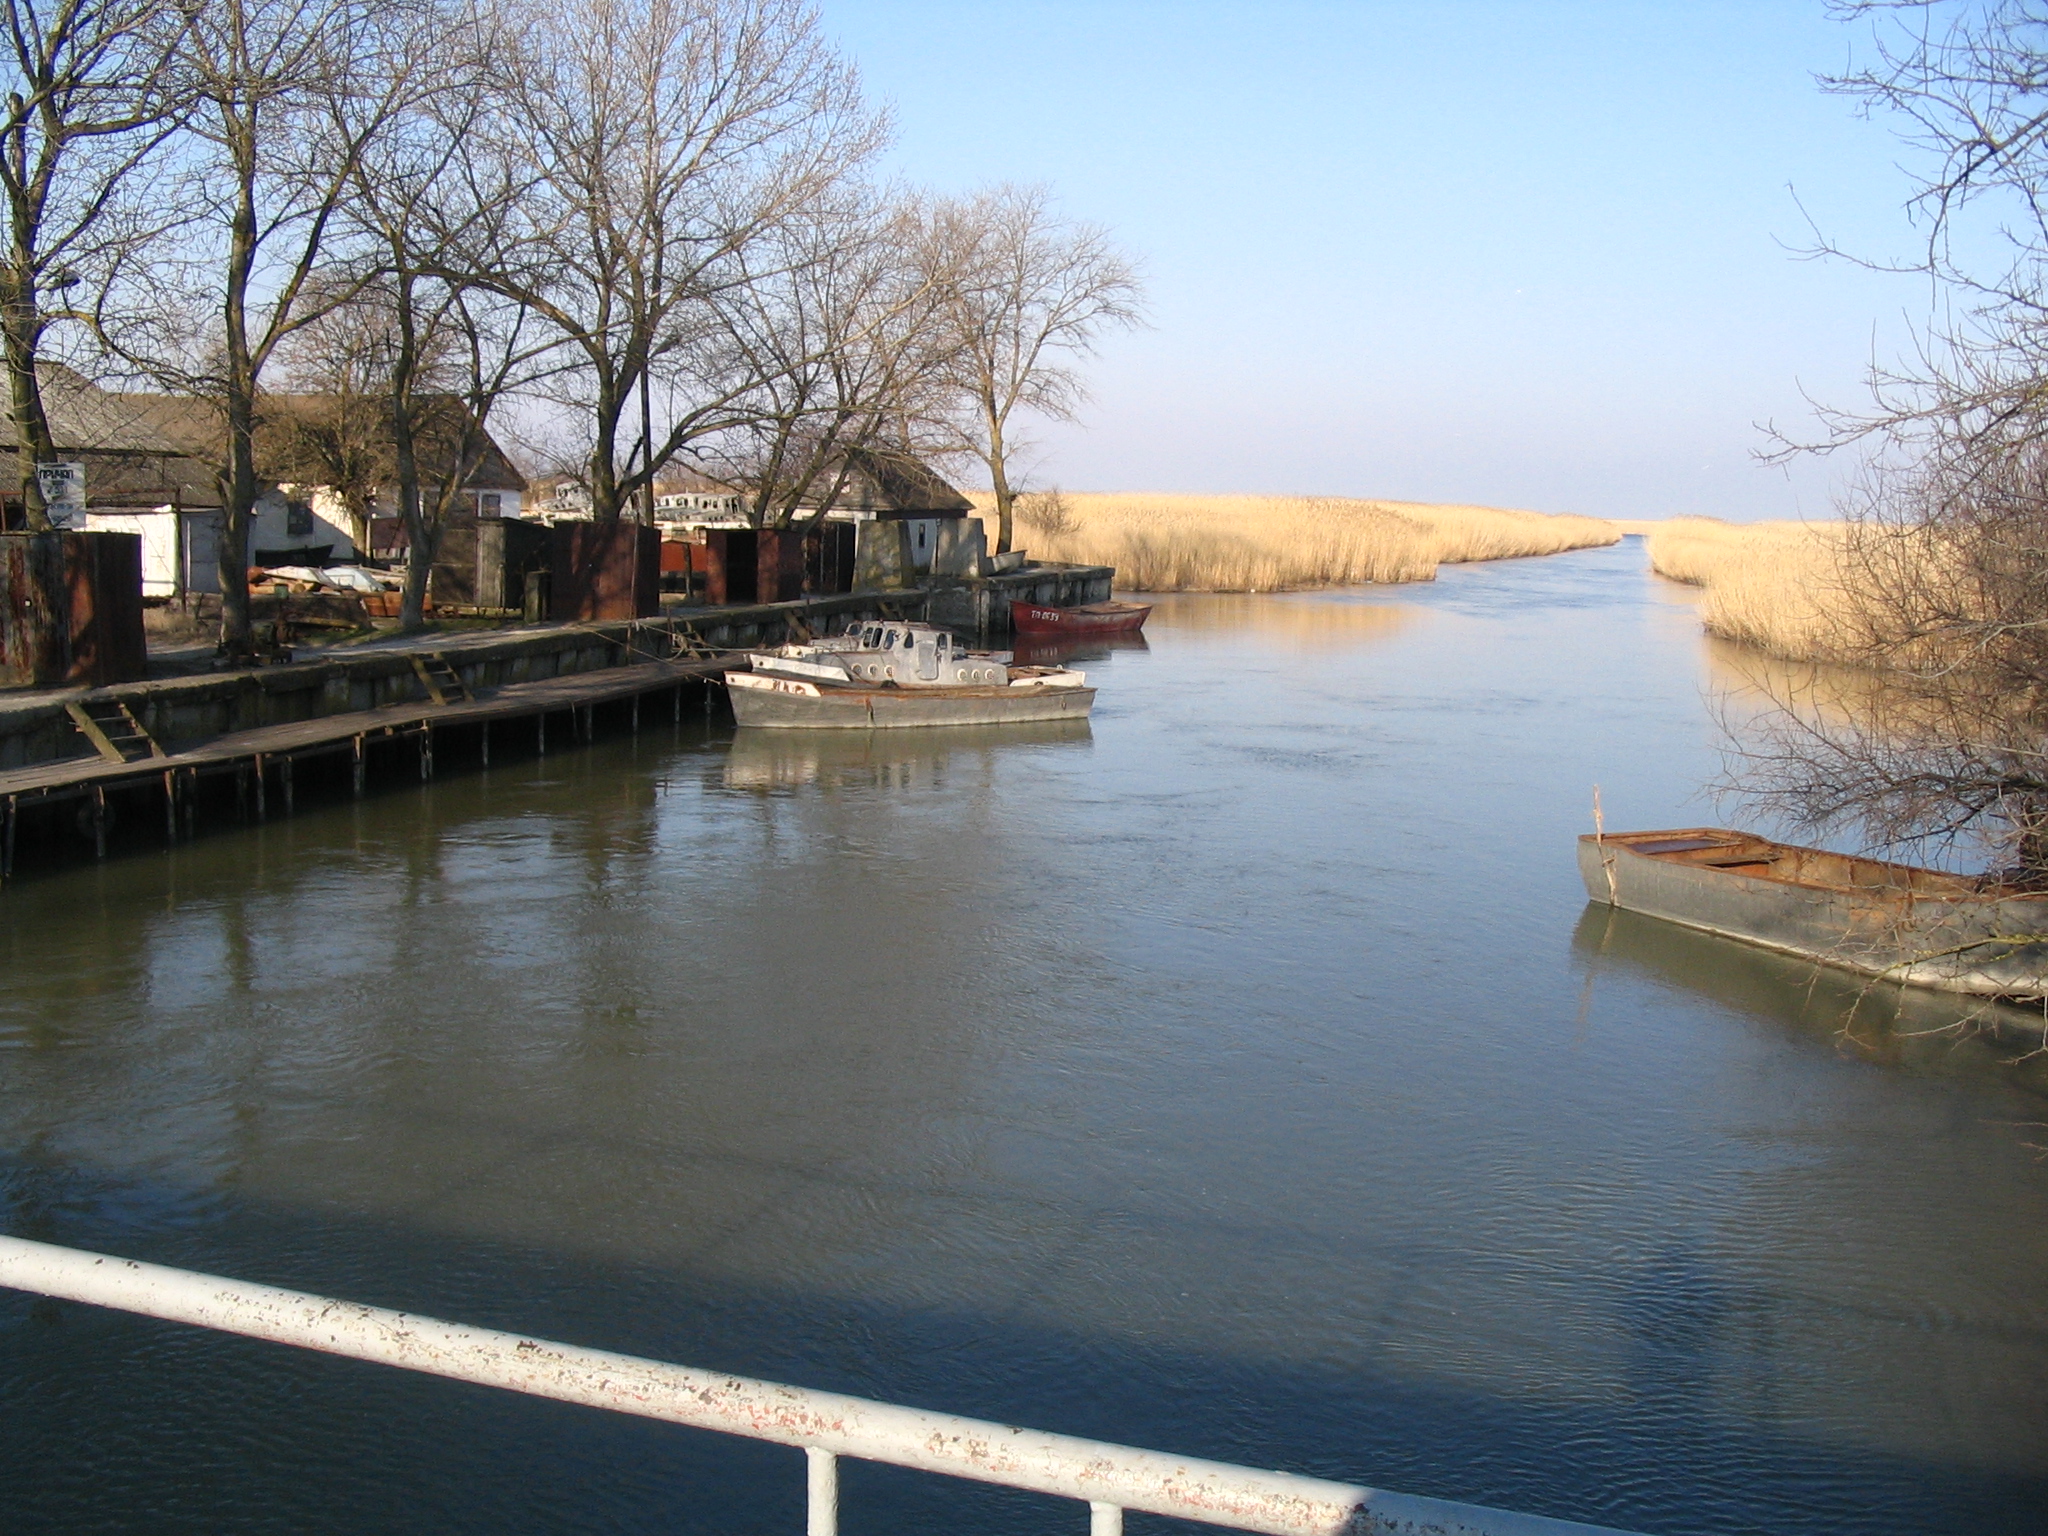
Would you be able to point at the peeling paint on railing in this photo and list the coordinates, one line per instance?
(1110, 1478)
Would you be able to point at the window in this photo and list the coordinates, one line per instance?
(298, 519)
(489, 504)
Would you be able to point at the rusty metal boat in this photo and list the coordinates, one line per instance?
(896, 673)
(1919, 927)
(1048, 693)
(1088, 619)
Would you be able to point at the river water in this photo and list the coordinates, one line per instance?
(1242, 1075)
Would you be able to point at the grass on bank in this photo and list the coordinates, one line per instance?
(1174, 543)
(1777, 586)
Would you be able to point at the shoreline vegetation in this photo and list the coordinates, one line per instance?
(1188, 543)
(1777, 586)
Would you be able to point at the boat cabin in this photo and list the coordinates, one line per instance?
(890, 650)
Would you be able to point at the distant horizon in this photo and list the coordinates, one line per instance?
(1153, 490)
(1491, 254)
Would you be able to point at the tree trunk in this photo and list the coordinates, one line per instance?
(34, 443)
(238, 482)
(999, 477)
(421, 541)
(419, 571)
(238, 507)
(357, 506)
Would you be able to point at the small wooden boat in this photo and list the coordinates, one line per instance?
(1089, 619)
(1920, 927)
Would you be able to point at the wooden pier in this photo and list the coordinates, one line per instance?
(261, 761)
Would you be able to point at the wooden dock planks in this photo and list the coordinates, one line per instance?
(340, 733)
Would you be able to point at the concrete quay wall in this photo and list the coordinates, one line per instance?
(981, 605)
(35, 728)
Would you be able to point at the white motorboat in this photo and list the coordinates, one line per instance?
(887, 651)
(896, 673)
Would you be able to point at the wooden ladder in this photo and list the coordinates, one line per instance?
(443, 683)
(113, 729)
(689, 645)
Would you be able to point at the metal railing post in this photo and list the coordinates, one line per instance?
(1109, 1478)
(823, 1470)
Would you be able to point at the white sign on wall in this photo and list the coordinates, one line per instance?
(63, 486)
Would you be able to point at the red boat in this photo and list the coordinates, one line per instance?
(1090, 619)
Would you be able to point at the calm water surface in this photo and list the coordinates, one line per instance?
(1243, 1075)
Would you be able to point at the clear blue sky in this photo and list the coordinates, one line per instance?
(1529, 254)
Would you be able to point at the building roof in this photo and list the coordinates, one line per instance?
(889, 482)
(141, 448)
(680, 480)
(87, 419)
(447, 419)
(131, 453)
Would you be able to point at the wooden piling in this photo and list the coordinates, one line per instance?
(249, 755)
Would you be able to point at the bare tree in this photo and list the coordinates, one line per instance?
(91, 100)
(1048, 512)
(434, 200)
(833, 353)
(1943, 584)
(664, 142)
(336, 430)
(1029, 295)
(287, 96)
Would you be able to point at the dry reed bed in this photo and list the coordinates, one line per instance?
(1168, 543)
(1779, 586)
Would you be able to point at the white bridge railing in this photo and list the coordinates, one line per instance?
(827, 1425)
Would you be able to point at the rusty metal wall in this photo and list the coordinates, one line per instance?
(780, 563)
(730, 572)
(506, 549)
(71, 609)
(828, 559)
(605, 571)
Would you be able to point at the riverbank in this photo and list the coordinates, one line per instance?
(1777, 586)
(1179, 543)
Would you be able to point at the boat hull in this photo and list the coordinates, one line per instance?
(769, 702)
(1917, 927)
(1091, 619)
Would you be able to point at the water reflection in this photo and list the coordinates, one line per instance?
(1891, 1023)
(1221, 1077)
(761, 758)
(1754, 688)
(1303, 620)
(1072, 650)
